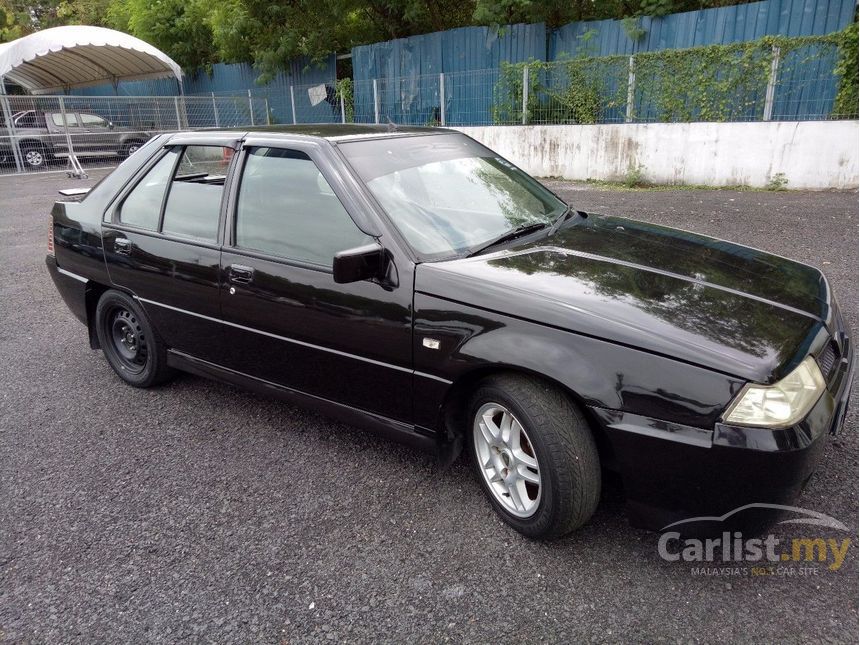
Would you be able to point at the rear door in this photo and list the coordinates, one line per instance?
(288, 322)
(162, 243)
(97, 135)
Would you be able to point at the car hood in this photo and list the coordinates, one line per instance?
(693, 298)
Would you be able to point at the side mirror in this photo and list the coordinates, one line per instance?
(361, 263)
(110, 125)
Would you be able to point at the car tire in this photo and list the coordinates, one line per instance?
(34, 156)
(130, 148)
(555, 447)
(130, 344)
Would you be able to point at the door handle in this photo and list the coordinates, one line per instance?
(240, 274)
(122, 246)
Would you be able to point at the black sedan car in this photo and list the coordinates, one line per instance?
(412, 281)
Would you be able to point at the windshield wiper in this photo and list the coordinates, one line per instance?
(561, 219)
(519, 231)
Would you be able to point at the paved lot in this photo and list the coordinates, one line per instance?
(199, 512)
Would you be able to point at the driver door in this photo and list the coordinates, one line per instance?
(288, 322)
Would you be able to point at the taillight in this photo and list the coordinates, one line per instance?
(51, 236)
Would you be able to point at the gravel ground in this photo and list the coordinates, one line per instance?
(199, 512)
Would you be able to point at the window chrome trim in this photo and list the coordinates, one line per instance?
(296, 342)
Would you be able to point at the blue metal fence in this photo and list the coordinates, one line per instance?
(235, 79)
(719, 26)
(405, 70)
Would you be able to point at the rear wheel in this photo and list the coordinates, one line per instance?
(534, 455)
(130, 148)
(130, 344)
(34, 156)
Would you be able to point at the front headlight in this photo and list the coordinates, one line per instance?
(779, 405)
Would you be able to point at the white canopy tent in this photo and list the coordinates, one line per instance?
(59, 59)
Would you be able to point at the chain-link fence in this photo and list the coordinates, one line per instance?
(79, 132)
(750, 85)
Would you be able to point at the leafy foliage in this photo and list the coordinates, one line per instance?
(846, 69)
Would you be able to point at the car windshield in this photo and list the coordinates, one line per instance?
(447, 194)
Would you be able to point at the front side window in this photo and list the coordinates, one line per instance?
(286, 208)
(142, 207)
(194, 201)
(447, 194)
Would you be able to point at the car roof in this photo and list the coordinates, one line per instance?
(333, 131)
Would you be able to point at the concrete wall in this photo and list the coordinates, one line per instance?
(811, 154)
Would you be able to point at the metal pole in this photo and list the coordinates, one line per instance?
(178, 117)
(375, 103)
(7, 118)
(251, 106)
(293, 104)
(342, 110)
(72, 160)
(631, 89)
(525, 94)
(215, 109)
(442, 97)
(771, 85)
(268, 116)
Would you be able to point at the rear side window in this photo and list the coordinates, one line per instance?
(143, 205)
(193, 193)
(92, 121)
(194, 201)
(71, 120)
(27, 120)
(286, 208)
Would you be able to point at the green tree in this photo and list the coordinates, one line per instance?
(180, 28)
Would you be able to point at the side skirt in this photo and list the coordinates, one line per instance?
(384, 426)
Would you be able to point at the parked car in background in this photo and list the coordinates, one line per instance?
(42, 137)
(415, 282)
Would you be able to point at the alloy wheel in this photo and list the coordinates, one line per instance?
(507, 459)
(34, 158)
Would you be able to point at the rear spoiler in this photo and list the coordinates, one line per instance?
(74, 192)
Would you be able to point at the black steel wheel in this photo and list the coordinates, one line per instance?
(131, 346)
(129, 341)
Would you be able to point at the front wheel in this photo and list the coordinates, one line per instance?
(130, 345)
(534, 454)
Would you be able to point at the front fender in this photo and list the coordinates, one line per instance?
(600, 374)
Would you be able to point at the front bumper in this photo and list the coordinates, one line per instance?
(672, 473)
